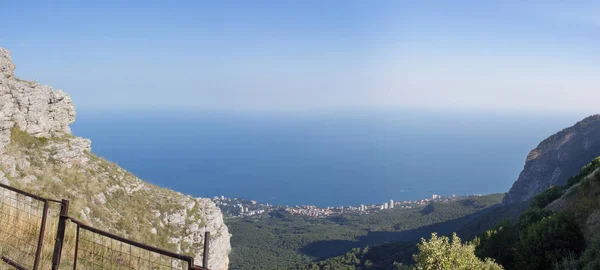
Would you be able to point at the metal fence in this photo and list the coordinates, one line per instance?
(23, 225)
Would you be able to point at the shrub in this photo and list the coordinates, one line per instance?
(549, 240)
(22, 138)
(499, 243)
(549, 195)
(587, 169)
(531, 216)
(441, 253)
(591, 257)
(569, 262)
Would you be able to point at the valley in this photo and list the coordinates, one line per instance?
(278, 239)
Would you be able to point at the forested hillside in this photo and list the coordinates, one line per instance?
(559, 230)
(280, 240)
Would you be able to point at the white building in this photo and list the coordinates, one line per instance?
(391, 204)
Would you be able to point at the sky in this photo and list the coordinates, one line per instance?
(500, 56)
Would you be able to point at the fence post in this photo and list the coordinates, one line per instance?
(60, 234)
(205, 253)
(40, 245)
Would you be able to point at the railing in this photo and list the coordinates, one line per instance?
(23, 224)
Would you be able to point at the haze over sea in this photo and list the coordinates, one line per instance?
(324, 159)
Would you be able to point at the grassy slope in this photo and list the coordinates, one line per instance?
(583, 200)
(101, 193)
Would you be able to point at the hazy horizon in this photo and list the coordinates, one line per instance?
(271, 56)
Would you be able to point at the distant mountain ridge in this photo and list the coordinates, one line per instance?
(557, 158)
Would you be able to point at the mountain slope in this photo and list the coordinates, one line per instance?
(556, 158)
(39, 154)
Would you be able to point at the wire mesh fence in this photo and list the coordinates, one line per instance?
(22, 221)
(32, 237)
(97, 249)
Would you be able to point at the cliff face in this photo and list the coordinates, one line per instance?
(39, 154)
(557, 158)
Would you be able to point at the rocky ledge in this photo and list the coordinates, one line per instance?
(557, 158)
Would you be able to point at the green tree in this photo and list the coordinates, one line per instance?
(546, 197)
(585, 171)
(591, 257)
(499, 243)
(439, 253)
(531, 216)
(548, 241)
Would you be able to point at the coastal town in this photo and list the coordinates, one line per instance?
(236, 207)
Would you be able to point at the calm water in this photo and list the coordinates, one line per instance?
(327, 159)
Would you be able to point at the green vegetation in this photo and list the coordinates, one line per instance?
(552, 236)
(539, 240)
(21, 138)
(101, 193)
(440, 253)
(555, 232)
(547, 241)
(280, 240)
(549, 195)
(587, 169)
(436, 253)
(591, 257)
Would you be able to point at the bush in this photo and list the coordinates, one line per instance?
(441, 253)
(546, 197)
(569, 262)
(499, 243)
(548, 241)
(587, 169)
(22, 138)
(591, 257)
(531, 216)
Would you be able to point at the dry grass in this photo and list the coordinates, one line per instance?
(20, 223)
(128, 214)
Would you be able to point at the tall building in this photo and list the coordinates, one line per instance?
(385, 206)
(391, 204)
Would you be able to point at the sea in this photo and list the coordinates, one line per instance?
(329, 158)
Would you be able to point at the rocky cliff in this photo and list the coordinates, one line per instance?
(39, 154)
(557, 158)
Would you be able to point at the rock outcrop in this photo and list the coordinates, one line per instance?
(557, 158)
(39, 154)
(35, 108)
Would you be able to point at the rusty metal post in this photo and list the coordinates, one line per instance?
(38, 252)
(76, 249)
(13, 263)
(205, 254)
(60, 234)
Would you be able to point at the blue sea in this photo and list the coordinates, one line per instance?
(322, 158)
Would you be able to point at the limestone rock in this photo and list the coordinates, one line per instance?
(71, 152)
(557, 158)
(3, 179)
(7, 68)
(35, 108)
(102, 194)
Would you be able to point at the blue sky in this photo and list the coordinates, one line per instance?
(501, 56)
